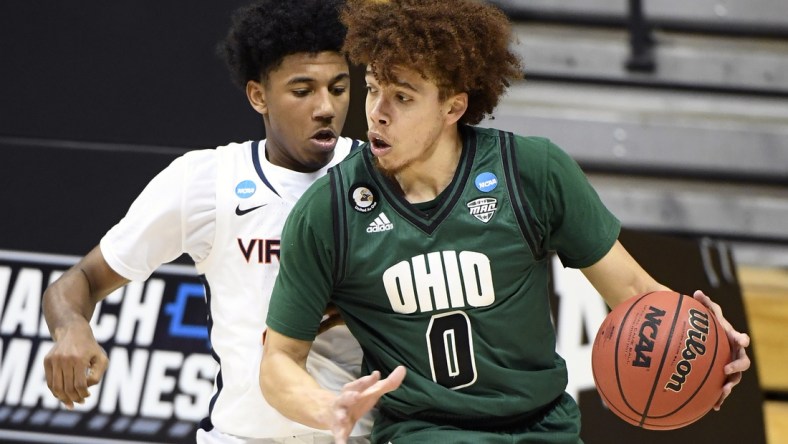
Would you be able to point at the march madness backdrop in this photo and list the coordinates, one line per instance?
(159, 383)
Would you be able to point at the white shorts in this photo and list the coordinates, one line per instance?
(217, 437)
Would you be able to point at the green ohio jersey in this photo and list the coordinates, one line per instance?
(455, 289)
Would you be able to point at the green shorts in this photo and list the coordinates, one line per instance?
(560, 424)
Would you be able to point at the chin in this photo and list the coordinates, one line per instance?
(310, 160)
(388, 170)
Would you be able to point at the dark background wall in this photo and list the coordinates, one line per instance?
(140, 72)
(88, 87)
(96, 97)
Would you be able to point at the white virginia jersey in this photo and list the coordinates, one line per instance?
(239, 260)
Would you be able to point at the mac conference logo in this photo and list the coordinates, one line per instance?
(483, 208)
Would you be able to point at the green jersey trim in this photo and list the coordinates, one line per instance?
(523, 211)
(340, 227)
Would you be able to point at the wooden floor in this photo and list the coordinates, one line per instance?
(765, 293)
(776, 422)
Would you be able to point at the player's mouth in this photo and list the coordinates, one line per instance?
(378, 144)
(325, 139)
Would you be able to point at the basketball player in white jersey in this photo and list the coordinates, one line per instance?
(225, 208)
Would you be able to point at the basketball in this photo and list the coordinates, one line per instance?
(658, 360)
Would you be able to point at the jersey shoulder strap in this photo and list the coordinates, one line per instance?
(341, 177)
(340, 221)
(523, 209)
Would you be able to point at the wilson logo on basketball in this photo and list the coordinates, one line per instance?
(694, 345)
(646, 337)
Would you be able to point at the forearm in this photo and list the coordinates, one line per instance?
(635, 283)
(289, 388)
(71, 300)
(617, 277)
(67, 302)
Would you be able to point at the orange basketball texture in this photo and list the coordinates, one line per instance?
(658, 360)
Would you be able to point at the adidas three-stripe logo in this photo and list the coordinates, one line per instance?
(381, 223)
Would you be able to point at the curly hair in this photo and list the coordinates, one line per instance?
(266, 31)
(461, 45)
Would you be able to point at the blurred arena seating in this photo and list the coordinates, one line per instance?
(678, 112)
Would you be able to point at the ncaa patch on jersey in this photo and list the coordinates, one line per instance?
(483, 208)
(486, 182)
(363, 198)
(245, 189)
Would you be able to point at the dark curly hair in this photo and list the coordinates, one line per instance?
(266, 31)
(462, 45)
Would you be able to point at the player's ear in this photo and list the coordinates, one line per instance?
(255, 92)
(457, 105)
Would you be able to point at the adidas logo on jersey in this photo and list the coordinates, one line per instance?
(381, 223)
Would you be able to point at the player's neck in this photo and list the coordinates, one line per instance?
(426, 178)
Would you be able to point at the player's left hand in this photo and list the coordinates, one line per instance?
(738, 342)
(359, 397)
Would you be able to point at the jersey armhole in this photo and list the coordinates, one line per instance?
(523, 211)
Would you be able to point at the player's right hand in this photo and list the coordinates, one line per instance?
(359, 397)
(738, 341)
(74, 363)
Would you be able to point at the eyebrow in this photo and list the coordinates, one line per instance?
(400, 83)
(305, 79)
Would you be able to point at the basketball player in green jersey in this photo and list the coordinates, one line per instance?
(437, 256)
